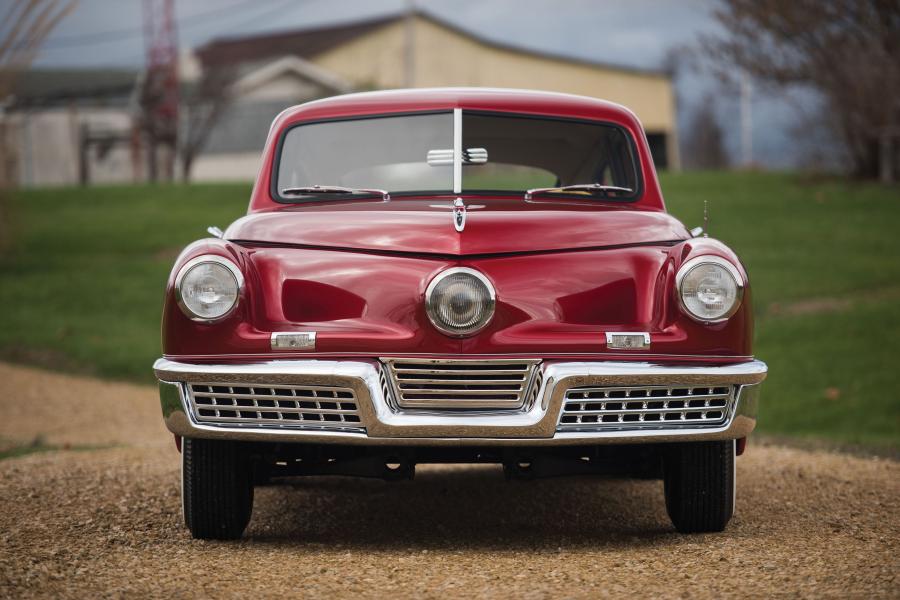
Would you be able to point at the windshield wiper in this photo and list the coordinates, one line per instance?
(579, 187)
(333, 189)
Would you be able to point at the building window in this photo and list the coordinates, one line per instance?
(657, 143)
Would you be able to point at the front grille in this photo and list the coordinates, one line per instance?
(287, 406)
(461, 384)
(645, 407)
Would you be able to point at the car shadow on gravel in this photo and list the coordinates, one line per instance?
(471, 508)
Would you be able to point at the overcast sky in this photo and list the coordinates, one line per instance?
(635, 33)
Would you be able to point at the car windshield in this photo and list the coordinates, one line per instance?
(491, 152)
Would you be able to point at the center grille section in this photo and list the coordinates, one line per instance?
(645, 407)
(291, 406)
(461, 384)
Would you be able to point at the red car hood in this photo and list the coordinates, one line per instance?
(425, 226)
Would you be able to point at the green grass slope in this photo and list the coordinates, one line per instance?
(82, 273)
(824, 263)
(82, 281)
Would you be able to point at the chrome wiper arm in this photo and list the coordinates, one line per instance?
(333, 189)
(578, 187)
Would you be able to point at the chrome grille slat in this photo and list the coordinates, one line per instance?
(317, 422)
(646, 411)
(460, 371)
(639, 398)
(460, 384)
(513, 382)
(267, 397)
(278, 409)
(450, 402)
(645, 407)
(408, 392)
(282, 405)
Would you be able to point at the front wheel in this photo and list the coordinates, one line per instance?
(216, 488)
(699, 485)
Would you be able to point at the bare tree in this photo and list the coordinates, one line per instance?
(848, 50)
(24, 26)
(704, 146)
(203, 104)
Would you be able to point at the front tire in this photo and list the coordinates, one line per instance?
(699, 482)
(216, 488)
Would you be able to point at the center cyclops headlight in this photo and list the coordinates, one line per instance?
(460, 301)
(710, 288)
(207, 288)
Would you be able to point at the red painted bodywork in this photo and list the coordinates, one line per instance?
(565, 270)
(493, 226)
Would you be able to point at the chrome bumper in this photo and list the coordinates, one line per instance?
(383, 423)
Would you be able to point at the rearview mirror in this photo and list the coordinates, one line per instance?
(443, 157)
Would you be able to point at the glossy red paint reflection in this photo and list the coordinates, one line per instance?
(566, 271)
(551, 303)
(493, 226)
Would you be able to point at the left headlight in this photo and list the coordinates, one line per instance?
(710, 288)
(207, 288)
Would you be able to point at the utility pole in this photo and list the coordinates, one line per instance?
(746, 120)
(409, 45)
(159, 97)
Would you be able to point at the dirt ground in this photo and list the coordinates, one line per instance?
(100, 516)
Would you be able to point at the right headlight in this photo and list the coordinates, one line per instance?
(207, 288)
(710, 288)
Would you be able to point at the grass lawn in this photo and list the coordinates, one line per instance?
(82, 274)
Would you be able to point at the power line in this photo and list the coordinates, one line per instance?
(259, 17)
(116, 35)
(133, 55)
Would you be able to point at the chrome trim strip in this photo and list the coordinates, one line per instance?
(535, 426)
(593, 356)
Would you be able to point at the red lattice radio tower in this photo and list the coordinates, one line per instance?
(160, 90)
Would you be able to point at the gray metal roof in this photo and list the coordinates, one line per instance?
(89, 87)
(242, 128)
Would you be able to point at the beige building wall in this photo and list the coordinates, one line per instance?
(286, 86)
(48, 148)
(235, 166)
(444, 57)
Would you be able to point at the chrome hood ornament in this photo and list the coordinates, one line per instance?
(459, 214)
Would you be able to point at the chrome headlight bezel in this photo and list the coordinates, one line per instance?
(722, 263)
(488, 307)
(186, 268)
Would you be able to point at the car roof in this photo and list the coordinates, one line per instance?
(529, 102)
(486, 99)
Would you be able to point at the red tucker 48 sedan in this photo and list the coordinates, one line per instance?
(457, 276)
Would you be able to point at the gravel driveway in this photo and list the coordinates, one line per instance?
(106, 521)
